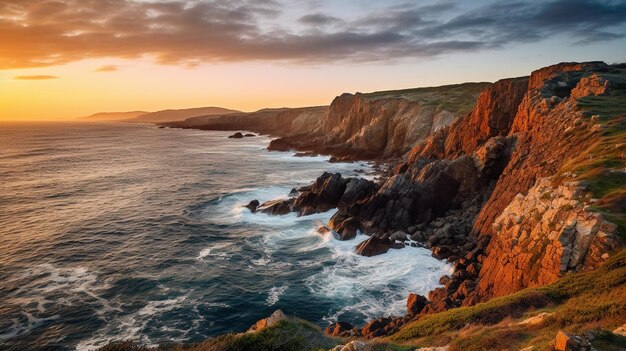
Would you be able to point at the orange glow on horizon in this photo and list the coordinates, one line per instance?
(86, 87)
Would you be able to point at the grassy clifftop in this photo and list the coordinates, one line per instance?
(457, 98)
(602, 166)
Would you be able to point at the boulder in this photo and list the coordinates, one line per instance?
(356, 189)
(415, 303)
(355, 345)
(307, 203)
(237, 135)
(399, 236)
(252, 205)
(567, 342)
(273, 319)
(345, 227)
(249, 135)
(373, 246)
(339, 329)
(279, 144)
(276, 207)
(620, 330)
(437, 294)
(376, 327)
(323, 195)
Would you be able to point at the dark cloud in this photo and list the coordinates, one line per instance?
(37, 77)
(38, 33)
(319, 19)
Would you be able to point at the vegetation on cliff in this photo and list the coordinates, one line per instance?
(601, 166)
(458, 98)
(578, 303)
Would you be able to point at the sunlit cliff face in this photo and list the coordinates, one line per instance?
(61, 59)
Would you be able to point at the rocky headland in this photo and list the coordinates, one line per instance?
(519, 184)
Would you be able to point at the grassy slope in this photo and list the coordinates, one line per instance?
(602, 166)
(580, 302)
(458, 98)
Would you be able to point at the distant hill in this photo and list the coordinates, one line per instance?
(179, 115)
(113, 116)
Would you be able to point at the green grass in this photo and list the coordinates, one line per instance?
(458, 98)
(286, 335)
(596, 291)
(601, 167)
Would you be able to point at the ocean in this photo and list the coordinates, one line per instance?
(112, 231)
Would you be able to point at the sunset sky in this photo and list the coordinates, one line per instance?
(64, 59)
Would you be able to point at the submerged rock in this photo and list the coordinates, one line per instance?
(276, 207)
(237, 135)
(252, 205)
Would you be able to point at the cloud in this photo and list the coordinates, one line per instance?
(319, 19)
(35, 77)
(39, 33)
(106, 68)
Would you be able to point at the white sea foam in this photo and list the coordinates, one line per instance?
(274, 294)
(217, 249)
(18, 328)
(54, 286)
(131, 327)
(371, 286)
(378, 285)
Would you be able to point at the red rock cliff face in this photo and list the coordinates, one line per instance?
(538, 231)
(531, 244)
(493, 116)
(542, 146)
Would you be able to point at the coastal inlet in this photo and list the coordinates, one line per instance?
(126, 231)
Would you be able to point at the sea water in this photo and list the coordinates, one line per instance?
(113, 231)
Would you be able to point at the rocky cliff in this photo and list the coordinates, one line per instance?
(493, 192)
(497, 176)
(378, 125)
(274, 121)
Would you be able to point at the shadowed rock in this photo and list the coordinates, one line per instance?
(237, 135)
(373, 246)
(339, 329)
(252, 205)
(276, 207)
(415, 303)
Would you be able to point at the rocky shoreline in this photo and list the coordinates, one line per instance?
(445, 194)
(485, 191)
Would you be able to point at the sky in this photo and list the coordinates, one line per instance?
(65, 59)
